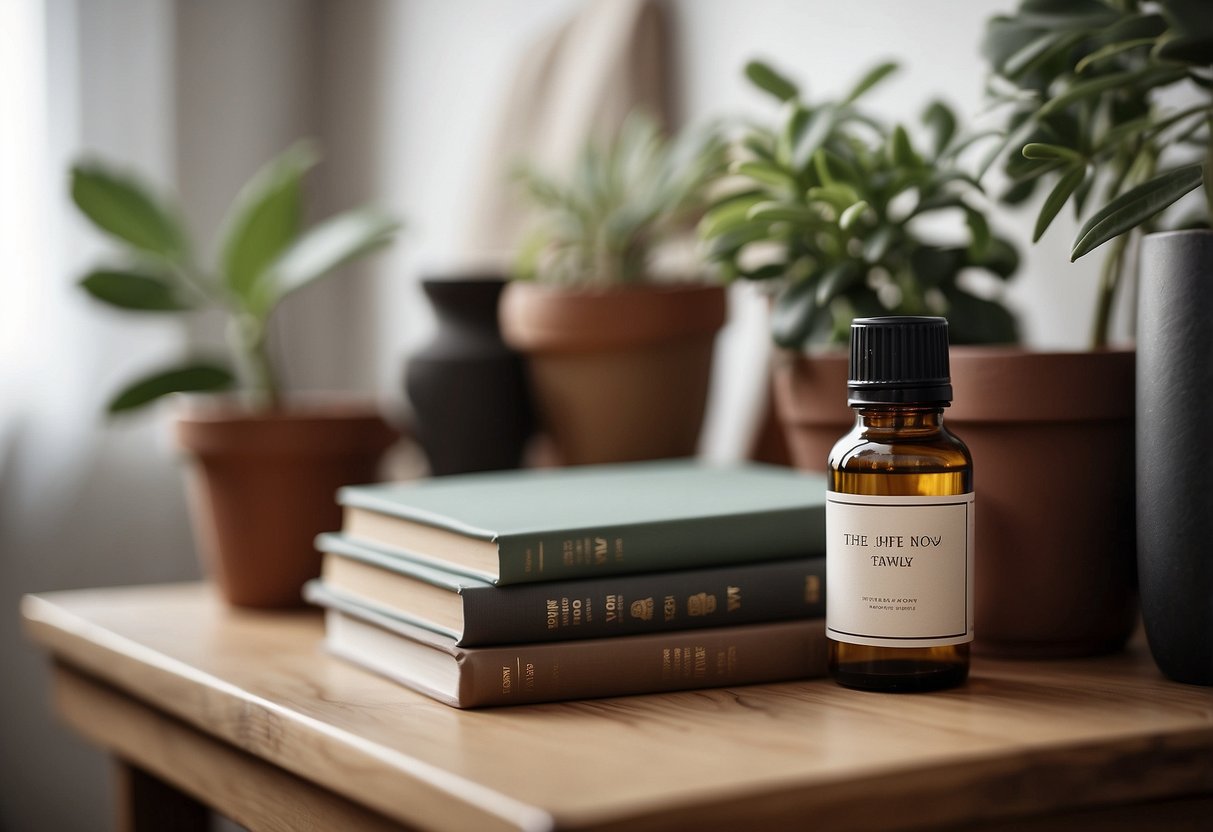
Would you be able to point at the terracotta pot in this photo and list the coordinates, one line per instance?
(1052, 442)
(262, 487)
(811, 401)
(618, 374)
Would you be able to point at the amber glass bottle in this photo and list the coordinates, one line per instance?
(899, 519)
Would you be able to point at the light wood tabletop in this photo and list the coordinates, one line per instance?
(244, 711)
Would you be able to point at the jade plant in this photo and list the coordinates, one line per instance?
(1112, 104)
(600, 225)
(832, 205)
(265, 254)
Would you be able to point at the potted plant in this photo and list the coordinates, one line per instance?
(832, 207)
(266, 466)
(1110, 103)
(619, 360)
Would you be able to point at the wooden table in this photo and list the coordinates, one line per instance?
(244, 712)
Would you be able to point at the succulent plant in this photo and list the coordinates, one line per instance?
(600, 225)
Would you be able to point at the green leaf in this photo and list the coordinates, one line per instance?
(782, 212)
(877, 244)
(122, 206)
(192, 378)
(728, 243)
(760, 147)
(941, 122)
(1134, 207)
(265, 218)
(1001, 258)
(729, 213)
(839, 196)
(318, 251)
(852, 215)
(974, 320)
(767, 79)
(1188, 50)
(1005, 37)
(903, 153)
(1109, 51)
(820, 127)
(797, 120)
(1150, 76)
(1084, 15)
(979, 231)
(1031, 53)
(794, 313)
(837, 280)
(1057, 198)
(873, 77)
(138, 291)
(1042, 151)
(770, 271)
(1136, 26)
(934, 266)
(766, 173)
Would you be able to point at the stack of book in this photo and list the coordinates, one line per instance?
(535, 586)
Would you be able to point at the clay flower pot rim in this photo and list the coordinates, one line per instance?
(304, 406)
(1016, 384)
(310, 427)
(537, 317)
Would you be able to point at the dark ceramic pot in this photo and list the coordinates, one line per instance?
(1174, 456)
(468, 389)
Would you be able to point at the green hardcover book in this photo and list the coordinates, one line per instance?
(475, 613)
(473, 677)
(516, 527)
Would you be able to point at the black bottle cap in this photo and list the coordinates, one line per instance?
(899, 359)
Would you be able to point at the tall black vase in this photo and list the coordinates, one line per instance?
(1174, 452)
(468, 389)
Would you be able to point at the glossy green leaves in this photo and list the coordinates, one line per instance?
(264, 256)
(829, 206)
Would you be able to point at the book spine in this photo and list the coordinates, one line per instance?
(645, 603)
(688, 660)
(659, 546)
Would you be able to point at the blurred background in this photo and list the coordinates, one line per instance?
(412, 102)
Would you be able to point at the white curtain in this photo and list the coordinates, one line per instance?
(193, 96)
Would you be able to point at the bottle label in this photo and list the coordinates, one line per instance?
(899, 570)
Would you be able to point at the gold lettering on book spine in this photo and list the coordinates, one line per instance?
(643, 609)
(812, 589)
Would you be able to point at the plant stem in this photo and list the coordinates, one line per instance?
(1109, 281)
(247, 337)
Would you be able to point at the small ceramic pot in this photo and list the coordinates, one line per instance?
(471, 404)
(263, 485)
(618, 374)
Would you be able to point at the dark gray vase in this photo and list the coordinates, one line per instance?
(470, 398)
(1175, 452)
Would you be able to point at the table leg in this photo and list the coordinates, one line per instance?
(146, 803)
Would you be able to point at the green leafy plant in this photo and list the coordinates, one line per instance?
(832, 204)
(1083, 84)
(601, 225)
(264, 255)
